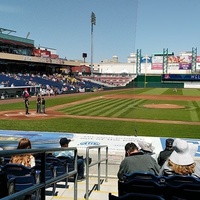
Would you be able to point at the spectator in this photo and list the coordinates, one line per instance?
(147, 147)
(127, 147)
(137, 161)
(27, 160)
(163, 155)
(180, 162)
(64, 142)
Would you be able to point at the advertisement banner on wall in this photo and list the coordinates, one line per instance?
(185, 62)
(173, 66)
(185, 66)
(173, 59)
(198, 59)
(146, 59)
(157, 59)
(157, 66)
(157, 63)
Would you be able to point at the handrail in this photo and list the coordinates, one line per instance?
(42, 185)
(98, 162)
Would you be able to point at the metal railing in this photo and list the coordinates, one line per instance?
(98, 163)
(43, 183)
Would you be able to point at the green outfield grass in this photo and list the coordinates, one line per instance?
(116, 108)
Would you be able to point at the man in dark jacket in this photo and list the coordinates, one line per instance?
(163, 155)
(137, 161)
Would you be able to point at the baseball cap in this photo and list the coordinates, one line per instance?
(169, 142)
(64, 141)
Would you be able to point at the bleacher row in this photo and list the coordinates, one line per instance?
(19, 177)
(148, 186)
(61, 83)
(111, 79)
(139, 186)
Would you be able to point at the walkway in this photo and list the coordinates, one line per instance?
(102, 194)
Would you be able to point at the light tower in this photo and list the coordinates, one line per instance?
(93, 22)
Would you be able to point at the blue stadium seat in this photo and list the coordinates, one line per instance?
(50, 172)
(135, 196)
(21, 177)
(182, 187)
(139, 175)
(60, 165)
(146, 183)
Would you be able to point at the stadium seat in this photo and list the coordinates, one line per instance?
(135, 196)
(146, 183)
(146, 176)
(3, 183)
(21, 177)
(182, 187)
(68, 161)
(177, 180)
(50, 172)
(185, 191)
(60, 165)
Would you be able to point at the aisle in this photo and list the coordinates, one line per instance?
(102, 194)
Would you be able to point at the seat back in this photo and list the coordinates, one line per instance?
(68, 161)
(3, 184)
(17, 170)
(6, 159)
(182, 187)
(146, 183)
(185, 191)
(50, 172)
(61, 166)
(177, 180)
(136, 196)
(20, 177)
(145, 176)
(23, 182)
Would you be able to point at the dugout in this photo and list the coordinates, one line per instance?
(16, 92)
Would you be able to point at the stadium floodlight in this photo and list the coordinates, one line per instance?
(93, 22)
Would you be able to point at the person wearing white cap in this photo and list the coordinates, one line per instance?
(147, 147)
(180, 162)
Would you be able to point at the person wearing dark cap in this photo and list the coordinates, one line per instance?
(163, 155)
(64, 142)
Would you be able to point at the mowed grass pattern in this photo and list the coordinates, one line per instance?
(135, 108)
(117, 111)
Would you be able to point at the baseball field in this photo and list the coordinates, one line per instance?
(159, 112)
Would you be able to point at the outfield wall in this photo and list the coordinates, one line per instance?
(153, 81)
(9, 140)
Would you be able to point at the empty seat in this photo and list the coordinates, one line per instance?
(60, 165)
(50, 172)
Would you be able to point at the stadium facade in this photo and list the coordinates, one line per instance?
(20, 55)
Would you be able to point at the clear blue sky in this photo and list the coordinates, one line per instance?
(122, 26)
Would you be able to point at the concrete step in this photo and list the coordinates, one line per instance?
(102, 194)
